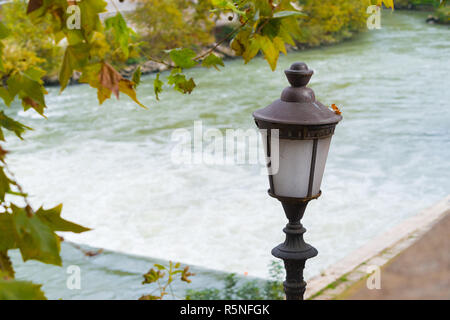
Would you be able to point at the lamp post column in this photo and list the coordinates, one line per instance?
(294, 251)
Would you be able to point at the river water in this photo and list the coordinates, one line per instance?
(111, 165)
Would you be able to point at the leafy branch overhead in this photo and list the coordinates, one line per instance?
(264, 26)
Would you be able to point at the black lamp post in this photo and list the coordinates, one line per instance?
(304, 128)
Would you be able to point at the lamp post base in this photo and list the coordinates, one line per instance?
(294, 251)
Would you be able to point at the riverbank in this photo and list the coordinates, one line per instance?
(108, 275)
(441, 12)
(224, 51)
(411, 267)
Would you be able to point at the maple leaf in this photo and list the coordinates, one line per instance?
(212, 61)
(109, 78)
(52, 218)
(27, 102)
(20, 290)
(126, 86)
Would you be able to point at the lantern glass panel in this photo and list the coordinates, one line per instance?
(291, 166)
(321, 158)
(294, 166)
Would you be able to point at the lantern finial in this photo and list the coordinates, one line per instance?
(298, 74)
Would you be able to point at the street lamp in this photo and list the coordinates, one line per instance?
(296, 131)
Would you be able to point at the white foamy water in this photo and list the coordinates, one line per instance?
(389, 158)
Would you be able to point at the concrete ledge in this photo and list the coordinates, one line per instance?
(377, 252)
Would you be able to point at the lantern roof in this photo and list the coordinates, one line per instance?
(298, 104)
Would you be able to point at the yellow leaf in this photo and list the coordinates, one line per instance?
(251, 50)
(387, 3)
(127, 87)
(279, 44)
(103, 94)
(271, 53)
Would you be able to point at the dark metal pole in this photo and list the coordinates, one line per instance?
(294, 251)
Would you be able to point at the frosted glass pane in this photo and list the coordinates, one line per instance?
(321, 158)
(264, 143)
(294, 167)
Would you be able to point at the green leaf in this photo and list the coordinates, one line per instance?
(12, 125)
(35, 239)
(29, 90)
(187, 86)
(152, 276)
(149, 297)
(14, 85)
(227, 5)
(180, 83)
(35, 73)
(212, 61)
(264, 7)
(279, 44)
(285, 14)
(271, 53)
(241, 42)
(272, 28)
(90, 15)
(32, 95)
(4, 94)
(4, 184)
(120, 30)
(251, 50)
(75, 58)
(20, 290)
(285, 33)
(7, 232)
(137, 76)
(183, 58)
(4, 31)
(52, 218)
(157, 86)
